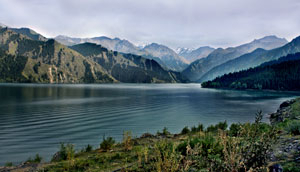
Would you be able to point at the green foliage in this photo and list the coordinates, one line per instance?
(185, 130)
(234, 129)
(291, 167)
(8, 164)
(294, 127)
(66, 152)
(166, 159)
(219, 126)
(165, 131)
(127, 140)
(107, 143)
(88, 148)
(275, 75)
(199, 128)
(36, 159)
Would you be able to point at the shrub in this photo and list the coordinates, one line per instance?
(8, 164)
(37, 159)
(88, 148)
(294, 128)
(127, 140)
(107, 143)
(166, 159)
(199, 128)
(66, 152)
(234, 129)
(185, 130)
(165, 131)
(219, 126)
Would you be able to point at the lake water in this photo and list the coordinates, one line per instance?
(36, 118)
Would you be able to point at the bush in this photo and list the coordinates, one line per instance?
(234, 129)
(127, 140)
(219, 126)
(185, 130)
(8, 164)
(294, 128)
(107, 143)
(165, 131)
(66, 152)
(88, 148)
(37, 159)
(195, 129)
(165, 157)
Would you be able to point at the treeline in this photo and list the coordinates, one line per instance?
(281, 74)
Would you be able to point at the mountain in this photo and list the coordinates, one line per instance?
(127, 67)
(252, 59)
(167, 55)
(192, 55)
(281, 74)
(3, 25)
(45, 62)
(199, 67)
(169, 59)
(30, 33)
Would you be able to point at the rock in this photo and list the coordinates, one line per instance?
(276, 168)
(147, 135)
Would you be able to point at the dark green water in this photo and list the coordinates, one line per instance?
(36, 118)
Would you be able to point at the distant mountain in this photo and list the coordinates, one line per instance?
(3, 25)
(253, 59)
(281, 74)
(45, 62)
(167, 55)
(192, 55)
(198, 68)
(168, 58)
(127, 67)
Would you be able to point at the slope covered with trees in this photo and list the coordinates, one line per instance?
(281, 74)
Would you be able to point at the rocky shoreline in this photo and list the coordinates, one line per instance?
(287, 150)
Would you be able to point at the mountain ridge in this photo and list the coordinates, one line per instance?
(199, 67)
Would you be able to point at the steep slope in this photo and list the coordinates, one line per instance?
(169, 59)
(167, 55)
(196, 54)
(46, 62)
(29, 33)
(252, 59)
(198, 68)
(282, 74)
(127, 67)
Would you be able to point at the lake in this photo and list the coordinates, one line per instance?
(36, 118)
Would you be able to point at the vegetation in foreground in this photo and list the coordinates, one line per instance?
(239, 147)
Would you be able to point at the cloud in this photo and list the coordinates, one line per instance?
(184, 23)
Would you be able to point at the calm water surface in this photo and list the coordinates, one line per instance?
(36, 118)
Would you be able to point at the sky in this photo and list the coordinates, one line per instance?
(175, 23)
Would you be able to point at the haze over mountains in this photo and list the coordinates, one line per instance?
(162, 54)
(252, 59)
(199, 67)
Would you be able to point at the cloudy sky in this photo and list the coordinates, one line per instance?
(176, 23)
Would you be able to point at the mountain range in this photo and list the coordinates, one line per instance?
(194, 54)
(200, 67)
(252, 59)
(164, 55)
(51, 62)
